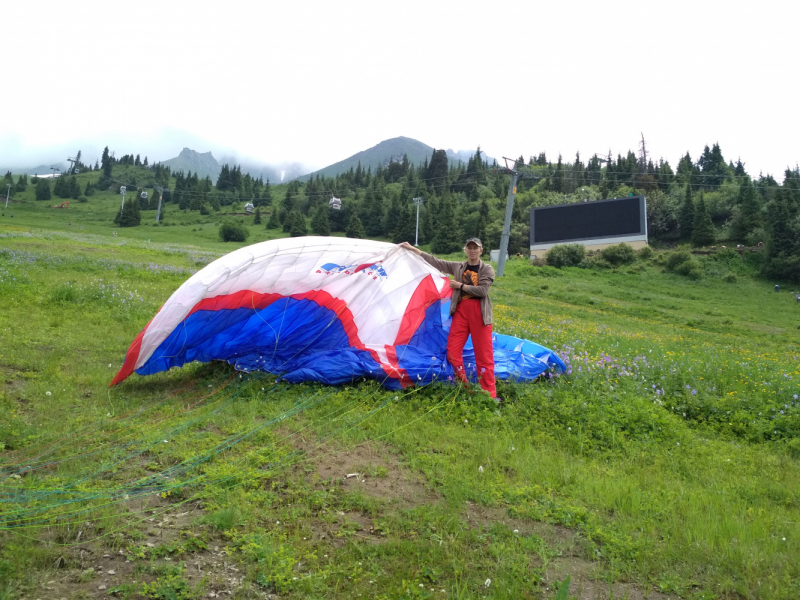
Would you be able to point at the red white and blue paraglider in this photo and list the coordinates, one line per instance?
(323, 309)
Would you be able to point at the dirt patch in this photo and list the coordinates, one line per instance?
(168, 535)
(371, 468)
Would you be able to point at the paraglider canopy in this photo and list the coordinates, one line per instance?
(322, 309)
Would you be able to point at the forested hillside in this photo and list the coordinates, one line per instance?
(701, 202)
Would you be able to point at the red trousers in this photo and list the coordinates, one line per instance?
(467, 321)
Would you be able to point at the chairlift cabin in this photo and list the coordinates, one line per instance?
(335, 203)
(143, 195)
(249, 207)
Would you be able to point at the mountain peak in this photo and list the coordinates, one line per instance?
(202, 163)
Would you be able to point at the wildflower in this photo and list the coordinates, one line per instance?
(47, 394)
(480, 469)
(694, 392)
(487, 583)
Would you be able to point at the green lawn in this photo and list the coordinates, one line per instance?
(665, 464)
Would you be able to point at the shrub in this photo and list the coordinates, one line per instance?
(619, 254)
(676, 259)
(690, 268)
(646, 253)
(233, 232)
(566, 255)
(83, 199)
(683, 263)
(729, 278)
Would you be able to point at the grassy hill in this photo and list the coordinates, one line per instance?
(665, 465)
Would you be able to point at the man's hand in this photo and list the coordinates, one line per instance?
(407, 246)
(455, 285)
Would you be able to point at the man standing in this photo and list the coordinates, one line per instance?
(470, 310)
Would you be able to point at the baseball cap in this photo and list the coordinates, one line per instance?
(474, 240)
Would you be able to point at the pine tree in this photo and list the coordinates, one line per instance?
(106, 162)
(298, 225)
(448, 234)
(266, 195)
(557, 183)
(686, 217)
(703, 230)
(257, 217)
(354, 228)
(74, 188)
(22, 183)
(782, 240)
(130, 216)
(748, 215)
(43, 190)
(404, 229)
(437, 169)
(274, 222)
(320, 224)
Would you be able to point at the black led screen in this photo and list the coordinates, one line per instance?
(587, 220)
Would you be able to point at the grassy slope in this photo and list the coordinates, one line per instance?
(693, 491)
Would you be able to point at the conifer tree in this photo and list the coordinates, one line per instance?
(22, 183)
(106, 163)
(748, 215)
(266, 195)
(257, 216)
(703, 230)
(782, 240)
(354, 228)
(557, 183)
(686, 217)
(130, 215)
(298, 226)
(74, 188)
(320, 224)
(43, 190)
(274, 222)
(448, 234)
(404, 229)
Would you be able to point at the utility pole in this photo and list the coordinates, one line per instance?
(512, 192)
(8, 193)
(417, 201)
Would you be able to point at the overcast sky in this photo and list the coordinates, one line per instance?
(316, 82)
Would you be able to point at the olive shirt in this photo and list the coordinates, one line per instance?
(479, 292)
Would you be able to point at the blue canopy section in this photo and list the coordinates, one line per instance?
(302, 341)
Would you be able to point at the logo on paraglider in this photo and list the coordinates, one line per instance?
(373, 270)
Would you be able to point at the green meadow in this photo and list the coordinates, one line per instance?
(665, 464)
